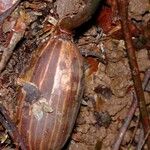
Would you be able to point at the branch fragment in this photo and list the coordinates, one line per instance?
(124, 127)
(11, 128)
(123, 12)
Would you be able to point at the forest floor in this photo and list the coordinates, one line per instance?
(108, 91)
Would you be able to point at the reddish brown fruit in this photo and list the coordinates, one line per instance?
(50, 96)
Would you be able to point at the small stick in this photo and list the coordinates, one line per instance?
(7, 51)
(141, 136)
(17, 33)
(123, 12)
(141, 144)
(11, 128)
(134, 133)
(5, 14)
(146, 78)
(124, 127)
(130, 115)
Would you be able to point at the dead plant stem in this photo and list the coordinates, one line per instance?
(123, 12)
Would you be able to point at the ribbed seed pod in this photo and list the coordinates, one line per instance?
(50, 96)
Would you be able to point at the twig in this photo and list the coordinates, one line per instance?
(5, 14)
(124, 127)
(11, 128)
(140, 136)
(17, 33)
(140, 146)
(134, 133)
(123, 12)
(7, 52)
(129, 117)
(146, 78)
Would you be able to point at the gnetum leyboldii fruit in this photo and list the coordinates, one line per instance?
(52, 87)
(50, 96)
(84, 13)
